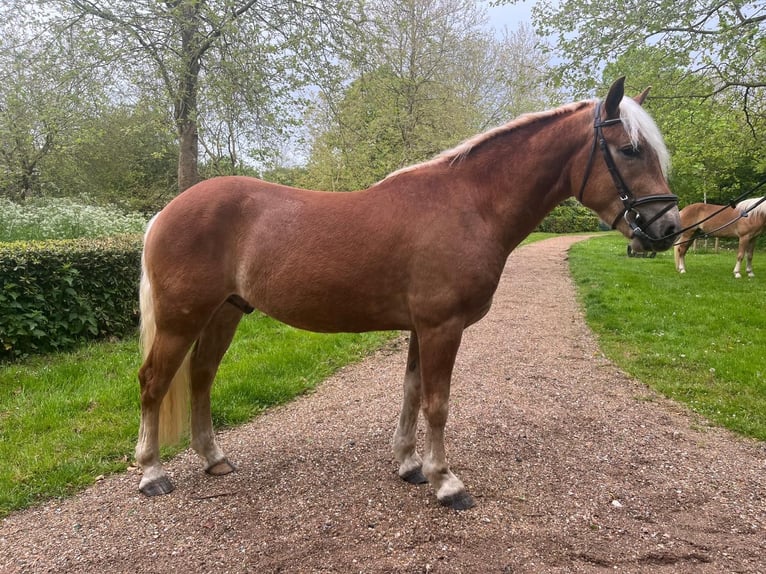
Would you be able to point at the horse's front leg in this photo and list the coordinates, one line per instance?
(438, 349)
(740, 255)
(410, 463)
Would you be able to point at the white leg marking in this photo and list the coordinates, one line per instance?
(405, 436)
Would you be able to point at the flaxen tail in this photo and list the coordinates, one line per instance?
(174, 412)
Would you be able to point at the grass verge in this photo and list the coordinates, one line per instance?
(697, 338)
(67, 419)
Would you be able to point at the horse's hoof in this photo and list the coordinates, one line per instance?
(737, 276)
(415, 476)
(221, 467)
(458, 501)
(157, 487)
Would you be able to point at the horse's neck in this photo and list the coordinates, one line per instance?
(528, 173)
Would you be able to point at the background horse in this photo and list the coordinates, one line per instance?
(727, 223)
(422, 250)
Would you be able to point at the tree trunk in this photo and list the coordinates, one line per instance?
(186, 99)
(188, 170)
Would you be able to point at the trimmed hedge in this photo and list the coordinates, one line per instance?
(54, 294)
(569, 217)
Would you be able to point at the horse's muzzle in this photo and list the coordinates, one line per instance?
(659, 236)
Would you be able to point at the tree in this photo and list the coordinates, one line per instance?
(122, 155)
(44, 91)
(723, 40)
(432, 76)
(194, 54)
(714, 154)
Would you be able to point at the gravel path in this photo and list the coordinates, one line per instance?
(574, 466)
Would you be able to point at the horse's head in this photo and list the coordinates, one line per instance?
(625, 177)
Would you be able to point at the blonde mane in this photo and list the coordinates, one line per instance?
(636, 121)
(746, 204)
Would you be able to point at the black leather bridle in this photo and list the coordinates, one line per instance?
(630, 213)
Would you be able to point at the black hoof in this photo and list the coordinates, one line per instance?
(415, 476)
(157, 487)
(458, 501)
(223, 466)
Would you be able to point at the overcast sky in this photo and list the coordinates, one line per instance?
(510, 15)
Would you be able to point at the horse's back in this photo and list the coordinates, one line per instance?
(323, 261)
(718, 220)
(317, 260)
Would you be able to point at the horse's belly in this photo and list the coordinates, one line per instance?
(351, 312)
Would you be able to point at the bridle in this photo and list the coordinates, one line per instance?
(630, 203)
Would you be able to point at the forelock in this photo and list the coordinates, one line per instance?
(639, 124)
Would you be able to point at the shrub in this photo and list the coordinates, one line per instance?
(56, 293)
(569, 217)
(62, 218)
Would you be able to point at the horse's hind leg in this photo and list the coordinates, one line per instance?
(155, 375)
(438, 349)
(749, 252)
(206, 357)
(410, 463)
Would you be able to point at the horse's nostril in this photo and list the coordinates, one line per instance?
(671, 229)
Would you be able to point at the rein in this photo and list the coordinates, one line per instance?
(629, 201)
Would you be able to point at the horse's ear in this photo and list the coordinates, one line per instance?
(613, 99)
(642, 96)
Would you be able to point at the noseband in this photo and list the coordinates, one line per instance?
(630, 203)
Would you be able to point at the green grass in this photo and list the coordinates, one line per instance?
(698, 338)
(67, 419)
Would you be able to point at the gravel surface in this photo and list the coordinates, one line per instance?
(575, 467)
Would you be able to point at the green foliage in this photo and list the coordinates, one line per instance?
(697, 337)
(124, 155)
(44, 92)
(431, 76)
(56, 293)
(370, 140)
(569, 217)
(67, 419)
(722, 41)
(715, 155)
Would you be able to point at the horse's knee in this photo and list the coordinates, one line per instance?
(436, 413)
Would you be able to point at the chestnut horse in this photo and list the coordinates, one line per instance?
(422, 250)
(745, 221)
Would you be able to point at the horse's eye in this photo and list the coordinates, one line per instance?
(630, 151)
